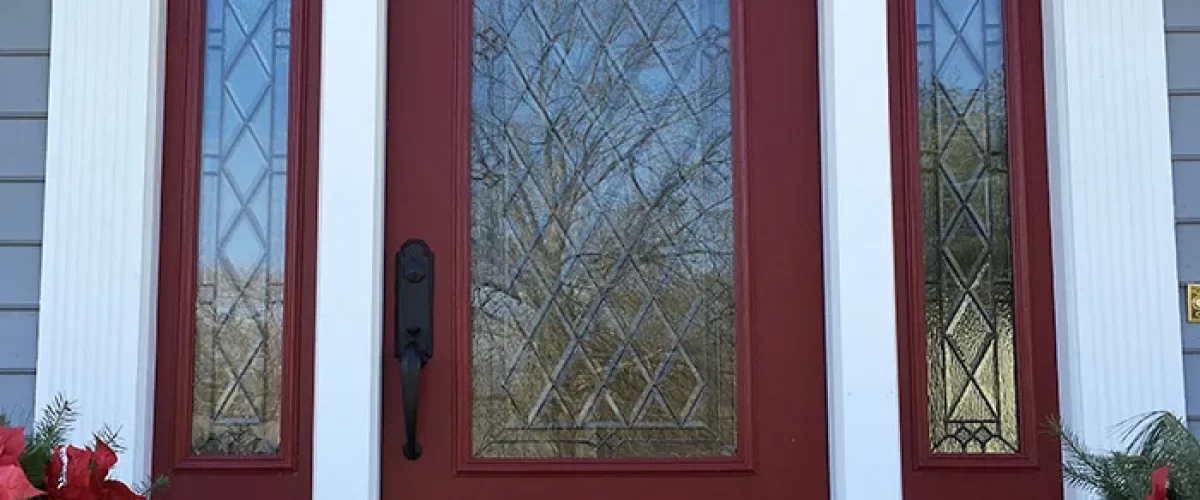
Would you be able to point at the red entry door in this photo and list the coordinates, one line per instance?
(623, 202)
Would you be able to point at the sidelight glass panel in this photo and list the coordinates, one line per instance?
(967, 227)
(602, 230)
(239, 304)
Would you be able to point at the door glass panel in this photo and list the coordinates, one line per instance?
(602, 235)
(967, 227)
(243, 187)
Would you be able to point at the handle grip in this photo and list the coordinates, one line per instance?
(411, 364)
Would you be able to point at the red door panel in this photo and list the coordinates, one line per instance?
(623, 200)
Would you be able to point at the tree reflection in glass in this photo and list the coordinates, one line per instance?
(602, 230)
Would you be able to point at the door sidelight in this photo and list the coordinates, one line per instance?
(413, 330)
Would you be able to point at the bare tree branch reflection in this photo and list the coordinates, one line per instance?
(602, 236)
(237, 382)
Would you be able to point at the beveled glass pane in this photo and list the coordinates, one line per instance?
(602, 230)
(967, 227)
(239, 303)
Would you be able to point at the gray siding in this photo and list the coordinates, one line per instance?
(24, 69)
(1183, 81)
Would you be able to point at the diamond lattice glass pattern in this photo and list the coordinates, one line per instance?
(967, 227)
(602, 230)
(239, 304)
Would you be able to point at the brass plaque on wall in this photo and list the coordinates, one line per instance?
(1193, 303)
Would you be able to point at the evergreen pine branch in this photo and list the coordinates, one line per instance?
(111, 437)
(1151, 441)
(148, 487)
(54, 425)
(50, 431)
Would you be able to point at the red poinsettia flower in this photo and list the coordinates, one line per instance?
(102, 487)
(14, 485)
(76, 483)
(12, 444)
(54, 472)
(87, 476)
(116, 490)
(1158, 483)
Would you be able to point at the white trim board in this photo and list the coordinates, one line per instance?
(861, 356)
(349, 337)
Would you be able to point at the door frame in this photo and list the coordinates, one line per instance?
(116, 230)
(863, 415)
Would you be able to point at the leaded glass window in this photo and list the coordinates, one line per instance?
(236, 404)
(967, 227)
(602, 230)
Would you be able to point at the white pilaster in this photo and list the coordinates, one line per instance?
(861, 357)
(99, 260)
(1114, 245)
(348, 377)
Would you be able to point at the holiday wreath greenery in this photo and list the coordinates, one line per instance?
(38, 463)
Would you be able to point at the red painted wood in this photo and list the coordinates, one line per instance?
(287, 475)
(782, 424)
(1035, 472)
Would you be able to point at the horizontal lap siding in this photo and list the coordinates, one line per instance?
(24, 73)
(1183, 79)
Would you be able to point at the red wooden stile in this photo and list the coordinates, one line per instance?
(287, 475)
(1034, 472)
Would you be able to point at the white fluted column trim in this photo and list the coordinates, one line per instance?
(1114, 244)
(99, 260)
(861, 358)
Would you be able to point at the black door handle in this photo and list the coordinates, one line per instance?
(413, 330)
